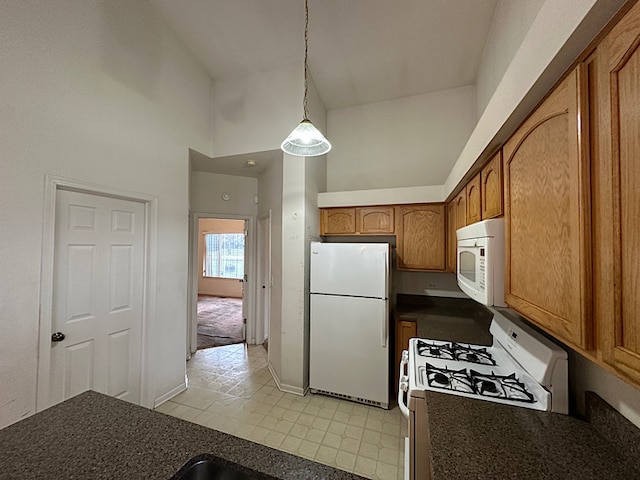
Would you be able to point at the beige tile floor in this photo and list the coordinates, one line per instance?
(231, 390)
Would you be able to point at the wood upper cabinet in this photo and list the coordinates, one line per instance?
(420, 236)
(491, 188)
(375, 220)
(456, 218)
(474, 209)
(357, 220)
(452, 243)
(461, 209)
(547, 215)
(617, 196)
(337, 221)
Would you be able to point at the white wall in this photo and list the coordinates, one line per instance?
(100, 92)
(400, 143)
(511, 22)
(256, 112)
(292, 353)
(315, 181)
(207, 189)
(270, 198)
(302, 179)
(558, 34)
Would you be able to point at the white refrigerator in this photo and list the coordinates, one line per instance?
(349, 331)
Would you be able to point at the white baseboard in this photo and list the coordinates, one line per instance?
(284, 387)
(170, 394)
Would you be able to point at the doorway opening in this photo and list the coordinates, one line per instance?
(221, 279)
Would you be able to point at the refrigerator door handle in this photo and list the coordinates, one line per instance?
(385, 262)
(385, 320)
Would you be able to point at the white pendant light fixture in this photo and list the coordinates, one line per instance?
(305, 140)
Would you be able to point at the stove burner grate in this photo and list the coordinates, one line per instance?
(507, 387)
(454, 380)
(455, 351)
(501, 386)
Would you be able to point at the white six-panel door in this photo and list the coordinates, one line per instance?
(97, 297)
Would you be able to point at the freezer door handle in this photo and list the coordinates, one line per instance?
(403, 384)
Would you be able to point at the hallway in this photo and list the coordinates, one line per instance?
(231, 390)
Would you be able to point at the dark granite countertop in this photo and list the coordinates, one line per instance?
(452, 319)
(475, 439)
(93, 436)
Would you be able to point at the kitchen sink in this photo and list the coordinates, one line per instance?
(211, 467)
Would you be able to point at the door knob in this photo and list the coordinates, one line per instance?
(57, 337)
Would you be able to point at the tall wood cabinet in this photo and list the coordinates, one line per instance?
(617, 196)
(420, 237)
(547, 215)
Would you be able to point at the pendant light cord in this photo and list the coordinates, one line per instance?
(306, 67)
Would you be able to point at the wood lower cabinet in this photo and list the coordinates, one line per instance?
(617, 196)
(405, 329)
(474, 209)
(337, 221)
(375, 220)
(547, 215)
(491, 188)
(420, 237)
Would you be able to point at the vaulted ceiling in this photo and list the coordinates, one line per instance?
(360, 51)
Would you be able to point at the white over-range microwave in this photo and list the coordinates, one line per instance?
(480, 270)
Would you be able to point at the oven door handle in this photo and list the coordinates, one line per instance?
(403, 384)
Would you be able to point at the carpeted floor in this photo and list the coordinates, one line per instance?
(219, 321)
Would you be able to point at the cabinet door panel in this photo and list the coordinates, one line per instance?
(547, 217)
(371, 220)
(474, 210)
(337, 221)
(452, 241)
(491, 188)
(420, 237)
(618, 196)
(461, 210)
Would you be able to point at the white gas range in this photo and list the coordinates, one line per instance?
(521, 368)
